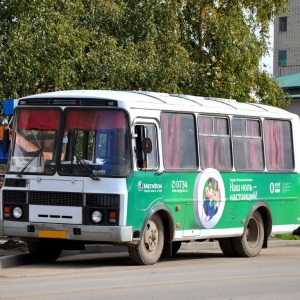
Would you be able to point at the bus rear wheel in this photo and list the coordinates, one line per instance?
(251, 242)
(44, 250)
(149, 250)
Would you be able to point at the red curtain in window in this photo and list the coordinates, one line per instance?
(38, 119)
(222, 151)
(205, 125)
(214, 150)
(207, 153)
(252, 145)
(273, 136)
(171, 131)
(223, 154)
(94, 119)
(206, 143)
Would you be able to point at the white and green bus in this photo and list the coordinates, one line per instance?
(149, 171)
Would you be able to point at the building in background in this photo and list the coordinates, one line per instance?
(286, 56)
(291, 85)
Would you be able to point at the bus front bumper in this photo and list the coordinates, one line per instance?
(109, 234)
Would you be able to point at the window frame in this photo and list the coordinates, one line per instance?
(176, 160)
(247, 141)
(282, 24)
(282, 62)
(138, 147)
(270, 150)
(217, 142)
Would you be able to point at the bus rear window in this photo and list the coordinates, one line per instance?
(278, 145)
(247, 144)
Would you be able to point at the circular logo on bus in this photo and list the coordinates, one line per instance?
(140, 185)
(209, 197)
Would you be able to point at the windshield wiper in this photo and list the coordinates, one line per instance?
(30, 161)
(38, 152)
(88, 168)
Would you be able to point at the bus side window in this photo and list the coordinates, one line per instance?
(146, 147)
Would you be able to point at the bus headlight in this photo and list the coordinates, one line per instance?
(96, 216)
(17, 212)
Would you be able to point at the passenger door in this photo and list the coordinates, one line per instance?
(147, 169)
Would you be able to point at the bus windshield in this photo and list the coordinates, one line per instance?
(35, 134)
(95, 143)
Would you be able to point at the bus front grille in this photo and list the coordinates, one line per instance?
(16, 197)
(61, 199)
(15, 182)
(55, 198)
(103, 200)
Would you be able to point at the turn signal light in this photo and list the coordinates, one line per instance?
(7, 211)
(112, 217)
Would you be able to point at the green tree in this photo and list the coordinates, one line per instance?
(227, 39)
(53, 45)
(204, 47)
(42, 45)
(136, 46)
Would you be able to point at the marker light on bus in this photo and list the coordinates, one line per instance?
(111, 103)
(96, 216)
(112, 217)
(6, 211)
(17, 212)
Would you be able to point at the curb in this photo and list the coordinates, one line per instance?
(23, 259)
(14, 260)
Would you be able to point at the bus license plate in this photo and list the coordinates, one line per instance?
(53, 234)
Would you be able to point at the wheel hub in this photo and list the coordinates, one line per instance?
(151, 237)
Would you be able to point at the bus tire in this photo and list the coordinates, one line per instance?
(251, 242)
(227, 247)
(149, 250)
(44, 251)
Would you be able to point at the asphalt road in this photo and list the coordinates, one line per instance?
(191, 274)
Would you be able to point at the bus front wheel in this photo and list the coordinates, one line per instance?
(251, 242)
(149, 250)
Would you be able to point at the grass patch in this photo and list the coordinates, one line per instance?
(287, 236)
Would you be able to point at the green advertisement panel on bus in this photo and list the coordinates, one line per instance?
(232, 196)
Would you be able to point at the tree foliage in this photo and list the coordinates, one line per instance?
(205, 47)
(227, 40)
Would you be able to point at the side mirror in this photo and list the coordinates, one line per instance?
(147, 145)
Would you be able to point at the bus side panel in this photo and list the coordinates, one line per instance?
(197, 216)
(144, 192)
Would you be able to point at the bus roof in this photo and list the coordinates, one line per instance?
(142, 99)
